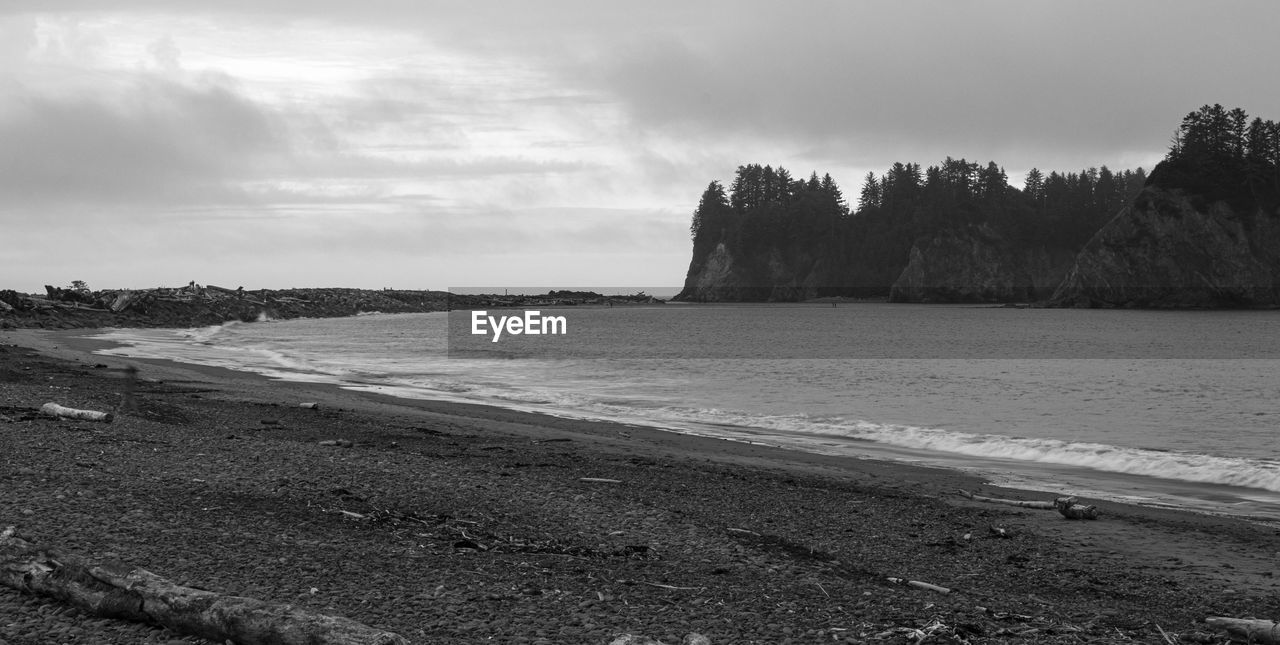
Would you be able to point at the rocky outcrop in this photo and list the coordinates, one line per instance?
(978, 265)
(1169, 250)
(719, 276)
(196, 305)
(713, 278)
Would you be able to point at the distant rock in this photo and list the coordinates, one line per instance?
(196, 305)
(1169, 250)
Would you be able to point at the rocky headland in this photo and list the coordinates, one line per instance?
(1202, 231)
(1168, 252)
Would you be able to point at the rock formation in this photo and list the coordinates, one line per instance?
(978, 265)
(781, 275)
(1171, 250)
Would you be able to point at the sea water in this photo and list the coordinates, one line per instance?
(1160, 408)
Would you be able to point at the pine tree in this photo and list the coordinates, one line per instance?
(1033, 186)
(832, 192)
(869, 198)
(711, 213)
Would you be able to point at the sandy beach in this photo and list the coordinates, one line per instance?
(451, 523)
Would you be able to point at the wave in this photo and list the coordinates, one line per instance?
(498, 382)
(216, 346)
(1191, 467)
(800, 430)
(205, 335)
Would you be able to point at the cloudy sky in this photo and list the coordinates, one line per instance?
(420, 144)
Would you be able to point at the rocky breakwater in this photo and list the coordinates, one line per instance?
(1172, 249)
(195, 305)
(978, 264)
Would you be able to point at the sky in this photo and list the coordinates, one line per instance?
(420, 144)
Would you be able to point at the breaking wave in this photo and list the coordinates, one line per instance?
(396, 361)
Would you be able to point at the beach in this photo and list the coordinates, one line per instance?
(454, 523)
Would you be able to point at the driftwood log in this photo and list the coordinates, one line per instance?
(1068, 507)
(58, 411)
(920, 585)
(119, 591)
(1073, 510)
(1048, 506)
(1247, 630)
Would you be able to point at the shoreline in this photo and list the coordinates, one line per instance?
(1050, 478)
(509, 473)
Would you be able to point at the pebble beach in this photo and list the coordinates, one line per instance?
(451, 523)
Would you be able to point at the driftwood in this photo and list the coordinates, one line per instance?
(1048, 506)
(1247, 630)
(119, 591)
(1069, 507)
(920, 585)
(1072, 510)
(55, 410)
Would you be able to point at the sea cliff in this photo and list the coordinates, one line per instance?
(781, 275)
(1171, 250)
(978, 265)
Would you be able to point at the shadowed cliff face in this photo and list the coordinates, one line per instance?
(978, 265)
(974, 265)
(1165, 253)
(713, 278)
(778, 276)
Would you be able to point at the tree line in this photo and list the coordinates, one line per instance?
(767, 215)
(765, 210)
(1221, 155)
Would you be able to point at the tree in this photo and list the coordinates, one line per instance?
(992, 182)
(870, 196)
(832, 192)
(711, 213)
(1106, 192)
(1033, 186)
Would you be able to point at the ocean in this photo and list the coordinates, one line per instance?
(1175, 409)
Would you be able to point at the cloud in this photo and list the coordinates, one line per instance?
(872, 83)
(405, 128)
(141, 138)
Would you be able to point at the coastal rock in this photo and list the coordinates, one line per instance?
(977, 265)
(712, 278)
(1169, 250)
(781, 275)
